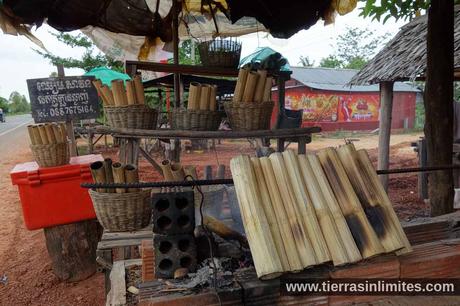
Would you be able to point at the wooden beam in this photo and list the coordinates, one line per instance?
(386, 107)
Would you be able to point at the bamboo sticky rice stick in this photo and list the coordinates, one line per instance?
(344, 231)
(306, 208)
(240, 84)
(166, 168)
(205, 95)
(286, 225)
(98, 85)
(177, 172)
(57, 133)
(250, 87)
(303, 244)
(139, 89)
(43, 134)
(270, 214)
(108, 173)
(119, 94)
(131, 176)
(263, 250)
(98, 173)
(365, 237)
(212, 98)
(374, 210)
(107, 93)
(377, 189)
(222, 230)
(130, 93)
(194, 94)
(268, 89)
(63, 129)
(34, 134)
(118, 176)
(260, 87)
(191, 170)
(50, 133)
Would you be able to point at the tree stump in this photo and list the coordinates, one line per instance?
(72, 249)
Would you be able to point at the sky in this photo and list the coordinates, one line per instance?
(18, 61)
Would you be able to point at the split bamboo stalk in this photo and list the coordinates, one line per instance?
(118, 176)
(107, 93)
(205, 95)
(306, 208)
(131, 176)
(377, 188)
(331, 233)
(177, 172)
(250, 87)
(260, 87)
(191, 170)
(268, 89)
(270, 214)
(212, 98)
(365, 237)
(50, 133)
(344, 231)
(139, 89)
(98, 85)
(98, 173)
(108, 173)
(119, 94)
(286, 225)
(263, 250)
(43, 135)
(63, 129)
(34, 134)
(194, 93)
(374, 210)
(166, 168)
(130, 93)
(240, 84)
(57, 133)
(303, 244)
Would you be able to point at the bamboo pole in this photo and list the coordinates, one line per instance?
(43, 134)
(205, 95)
(177, 172)
(260, 87)
(363, 233)
(304, 246)
(263, 250)
(130, 93)
(285, 224)
(240, 84)
(50, 133)
(108, 173)
(98, 173)
(377, 188)
(250, 87)
(166, 168)
(194, 94)
(344, 231)
(212, 98)
(306, 208)
(131, 176)
(118, 176)
(139, 89)
(268, 89)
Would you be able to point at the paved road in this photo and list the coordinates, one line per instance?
(13, 135)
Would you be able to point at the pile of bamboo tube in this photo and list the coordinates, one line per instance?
(47, 134)
(252, 86)
(175, 172)
(109, 172)
(303, 210)
(202, 97)
(120, 96)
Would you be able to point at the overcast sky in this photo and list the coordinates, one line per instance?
(19, 62)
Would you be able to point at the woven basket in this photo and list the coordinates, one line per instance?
(51, 155)
(220, 53)
(249, 116)
(131, 117)
(195, 120)
(122, 212)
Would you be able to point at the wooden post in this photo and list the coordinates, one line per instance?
(422, 184)
(386, 107)
(439, 103)
(176, 7)
(68, 123)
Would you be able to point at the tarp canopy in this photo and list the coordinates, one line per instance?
(107, 75)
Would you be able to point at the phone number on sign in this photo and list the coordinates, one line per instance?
(70, 110)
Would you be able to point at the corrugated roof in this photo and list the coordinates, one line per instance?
(338, 79)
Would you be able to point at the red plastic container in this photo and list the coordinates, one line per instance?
(53, 196)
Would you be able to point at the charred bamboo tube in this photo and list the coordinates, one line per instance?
(108, 173)
(131, 176)
(50, 133)
(139, 89)
(263, 250)
(118, 176)
(344, 231)
(194, 94)
(222, 230)
(302, 240)
(260, 87)
(374, 210)
(306, 208)
(240, 84)
(177, 172)
(268, 89)
(205, 95)
(130, 93)
(365, 237)
(191, 170)
(377, 189)
(43, 134)
(330, 231)
(119, 94)
(212, 98)
(166, 168)
(270, 214)
(250, 87)
(107, 93)
(98, 173)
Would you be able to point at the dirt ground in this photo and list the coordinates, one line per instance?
(23, 256)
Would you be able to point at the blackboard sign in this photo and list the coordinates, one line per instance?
(62, 99)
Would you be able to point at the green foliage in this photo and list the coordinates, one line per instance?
(18, 103)
(331, 62)
(399, 9)
(4, 105)
(419, 116)
(186, 56)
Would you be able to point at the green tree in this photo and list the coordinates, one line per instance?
(4, 105)
(404, 10)
(331, 62)
(18, 103)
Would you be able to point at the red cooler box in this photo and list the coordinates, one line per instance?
(53, 196)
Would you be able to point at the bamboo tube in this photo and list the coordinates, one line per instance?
(260, 87)
(268, 89)
(108, 173)
(63, 129)
(166, 168)
(177, 172)
(33, 134)
(263, 250)
(205, 95)
(119, 94)
(240, 84)
(382, 225)
(365, 237)
(118, 176)
(270, 214)
(306, 208)
(139, 89)
(194, 94)
(130, 93)
(337, 249)
(50, 133)
(98, 85)
(222, 230)
(344, 231)
(131, 176)
(107, 93)
(303, 244)
(57, 133)
(377, 188)
(286, 225)
(43, 134)
(250, 87)
(98, 173)
(191, 170)
(212, 98)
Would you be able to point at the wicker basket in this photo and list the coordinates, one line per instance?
(122, 212)
(51, 155)
(132, 117)
(195, 120)
(220, 53)
(249, 116)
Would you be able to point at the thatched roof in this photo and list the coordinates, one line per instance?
(404, 57)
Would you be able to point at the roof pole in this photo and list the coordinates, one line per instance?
(176, 9)
(386, 107)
